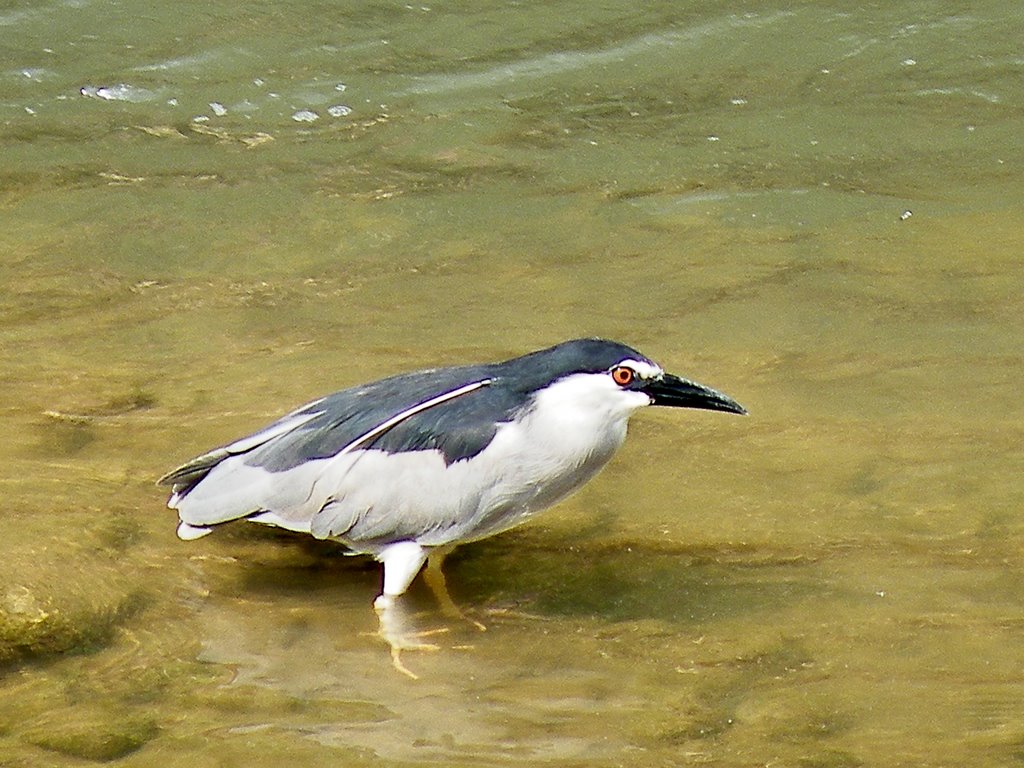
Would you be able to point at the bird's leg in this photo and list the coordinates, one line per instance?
(396, 628)
(402, 561)
(434, 576)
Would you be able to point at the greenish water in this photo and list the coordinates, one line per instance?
(215, 212)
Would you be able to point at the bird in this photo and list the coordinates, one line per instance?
(406, 468)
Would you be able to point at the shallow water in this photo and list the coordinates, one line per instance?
(215, 213)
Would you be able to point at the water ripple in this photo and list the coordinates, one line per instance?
(561, 61)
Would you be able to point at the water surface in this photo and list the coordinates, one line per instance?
(215, 213)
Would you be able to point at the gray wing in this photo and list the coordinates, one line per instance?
(460, 420)
(438, 410)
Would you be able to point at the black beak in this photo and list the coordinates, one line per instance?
(679, 393)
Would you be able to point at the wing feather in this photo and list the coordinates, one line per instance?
(453, 411)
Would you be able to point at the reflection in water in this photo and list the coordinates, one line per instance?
(835, 581)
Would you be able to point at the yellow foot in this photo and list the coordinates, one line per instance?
(395, 629)
(452, 611)
(514, 613)
(396, 653)
(396, 662)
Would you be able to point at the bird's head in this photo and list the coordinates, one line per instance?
(612, 376)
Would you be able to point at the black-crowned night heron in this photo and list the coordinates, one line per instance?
(406, 468)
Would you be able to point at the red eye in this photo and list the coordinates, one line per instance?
(623, 376)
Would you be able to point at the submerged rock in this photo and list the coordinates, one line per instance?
(64, 595)
(34, 623)
(92, 735)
